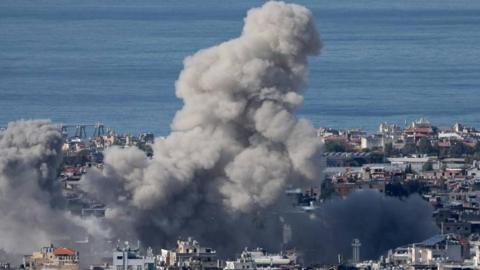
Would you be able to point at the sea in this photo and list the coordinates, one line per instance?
(116, 61)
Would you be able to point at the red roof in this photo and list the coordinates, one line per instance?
(71, 169)
(424, 130)
(64, 251)
(444, 144)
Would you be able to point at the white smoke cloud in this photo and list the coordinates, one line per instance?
(235, 144)
(237, 126)
(31, 205)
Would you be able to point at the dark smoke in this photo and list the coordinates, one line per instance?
(220, 175)
(235, 144)
(378, 221)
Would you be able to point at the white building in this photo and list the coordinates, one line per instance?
(400, 256)
(260, 259)
(450, 136)
(474, 170)
(372, 141)
(245, 262)
(128, 258)
(439, 248)
(190, 254)
(389, 129)
(416, 163)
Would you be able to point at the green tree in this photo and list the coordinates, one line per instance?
(428, 166)
(457, 150)
(335, 146)
(443, 152)
(388, 150)
(477, 147)
(402, 189)
(408, 169)
(409, 149)
(424, 146)
(435, 149)
(328, 190)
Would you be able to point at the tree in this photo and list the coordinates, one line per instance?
(328, 189)
(388, 150)
(456, 150)
(402, 189)
(409, 149)
(428, 166)
(477, 147)
(335, 146)
(376, 157)
(408, 169)
(424, 146)
(435, 149)
(443, 152)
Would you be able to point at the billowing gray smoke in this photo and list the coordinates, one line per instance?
(236, 142)
(237, 123)
(234, 147)
(31, 204)
(221, 173)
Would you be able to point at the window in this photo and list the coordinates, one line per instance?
(139, 267)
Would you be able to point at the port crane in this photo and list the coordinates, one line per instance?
(81, 129)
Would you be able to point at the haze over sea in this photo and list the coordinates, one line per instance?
(117, 61)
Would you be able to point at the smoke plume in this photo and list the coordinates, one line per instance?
(379, 222)
(234, 145)
(31, 204)
(220, 175)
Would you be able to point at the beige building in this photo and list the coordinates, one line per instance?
(189, 254)
(52, 257)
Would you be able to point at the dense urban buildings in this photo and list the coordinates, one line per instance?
(242, 180)
(52, 257)
(440, 164)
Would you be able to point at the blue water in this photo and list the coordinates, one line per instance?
(116, 61)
